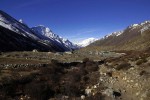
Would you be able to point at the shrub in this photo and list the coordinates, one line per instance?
(86, 60)
(16, 55)
(39, 91)
(123, 66)
(143, 72)
(141, 61)
(55, 62)
(48, 70)
(91, 66)
(109, 74)
(8, 88)
(85, 78)
(93, 78)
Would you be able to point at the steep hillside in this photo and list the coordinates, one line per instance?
(17, 36)
(134, 37)
(11, 41)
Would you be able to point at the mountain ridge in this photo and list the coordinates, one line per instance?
(24, 32)
(134, 37)
(47, 34)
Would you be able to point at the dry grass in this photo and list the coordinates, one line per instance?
(11, 60)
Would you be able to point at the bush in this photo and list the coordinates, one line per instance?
(55, 62)
(141, 61)
(39, 91)
(85, 78)
(86, 60)
(25, 55)
(91, 66)
(142, 73)
(123, 66)
(93, 78)
(109, 74)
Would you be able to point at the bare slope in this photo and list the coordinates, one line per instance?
(134, 37)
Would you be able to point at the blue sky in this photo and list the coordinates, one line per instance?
(79, 19)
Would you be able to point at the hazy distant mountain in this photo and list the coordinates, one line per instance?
(86, 42)
(16, 35)
(134, 37)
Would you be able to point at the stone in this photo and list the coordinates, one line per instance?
(95, 86)
(131, 81)
(125, 78)
(108, 92)
(101, 79)
(88, 91)
(137, 93)
(82, 97)
(34, 50)
(65, 97)
(103, 70)
(69, 53)
(136, 84)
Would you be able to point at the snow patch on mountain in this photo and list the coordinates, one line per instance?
(140, 25)
(113, 34)
(21, 21)
(87, 42)
(146, 22)
(133, 25)
(5, 23)
(145, 28)
(14, 25)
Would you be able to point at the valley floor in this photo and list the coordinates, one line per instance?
(92, 75)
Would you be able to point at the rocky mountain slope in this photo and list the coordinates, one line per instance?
(134, 37)
(15, 35)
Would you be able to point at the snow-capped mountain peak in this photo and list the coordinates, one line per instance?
(21, 21)
(46, 33)
(134, 25)
(86, 42)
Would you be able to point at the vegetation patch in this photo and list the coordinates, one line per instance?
(123, 66)
(141, 61)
